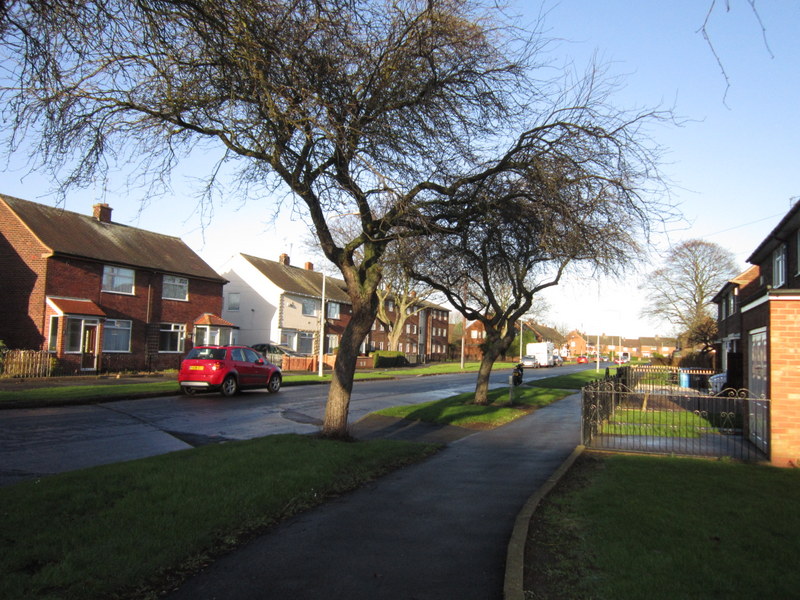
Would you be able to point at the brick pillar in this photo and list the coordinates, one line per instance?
(784, 366)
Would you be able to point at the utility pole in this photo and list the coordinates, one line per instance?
(321, 329)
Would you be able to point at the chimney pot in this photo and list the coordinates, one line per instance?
(284, 259)
(102, 212)
(309, 266)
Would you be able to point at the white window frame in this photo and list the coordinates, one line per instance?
(52, 334)
(334, 310)
(779, 266)
(332, 341)
(308, 307)
(303, 340)
(289, 339)
(213, 335)
(175, 283)
(170, 329)
(83, 322)
(116, 280)
(124, 326)
(234, 301)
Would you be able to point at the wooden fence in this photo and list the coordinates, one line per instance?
(26, 363)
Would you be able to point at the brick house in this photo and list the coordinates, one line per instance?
(425, 331)
(475, 334)
(100, 295)
(759, 332)
(577, 344)
(614, 345)
(273, 301)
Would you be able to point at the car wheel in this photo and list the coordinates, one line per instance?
(229, 386)
(274, 383)
(189, 391)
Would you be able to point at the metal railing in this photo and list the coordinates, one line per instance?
(674, 419)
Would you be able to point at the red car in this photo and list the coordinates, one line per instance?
(582, 359)
(227, 369)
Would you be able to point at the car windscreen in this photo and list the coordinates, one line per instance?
(207, 353)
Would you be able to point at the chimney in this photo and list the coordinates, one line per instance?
(284, 259)
(309, 266)
(102, 212)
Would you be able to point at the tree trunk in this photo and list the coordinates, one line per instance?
(482, 385)
(493, 347)
(365, 308)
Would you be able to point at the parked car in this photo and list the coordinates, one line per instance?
(227, 369)
(529, 362)
(274, 352)
(557, 360)
(717, 382)
(583, 359)
(273, 348)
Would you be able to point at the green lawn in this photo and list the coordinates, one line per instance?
(28, 394)
(102, 532)
(630, 527)
(462, 412)
(133, 526)
(687, 424)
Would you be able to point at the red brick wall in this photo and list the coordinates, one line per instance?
(784, 350)
(23, 269)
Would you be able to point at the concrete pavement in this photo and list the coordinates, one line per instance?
(437, 530)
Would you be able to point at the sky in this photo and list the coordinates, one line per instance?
(732, 164)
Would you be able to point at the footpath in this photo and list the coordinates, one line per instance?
(437, 530)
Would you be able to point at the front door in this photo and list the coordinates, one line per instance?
(89, 347)
(758, 381)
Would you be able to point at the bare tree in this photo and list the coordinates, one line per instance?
(704, 30)
(681, 291)
(579, 207)
(400, 297)
(382, 110)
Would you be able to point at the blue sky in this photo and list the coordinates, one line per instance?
(733, 165)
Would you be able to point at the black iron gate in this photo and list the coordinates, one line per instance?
(663, 413)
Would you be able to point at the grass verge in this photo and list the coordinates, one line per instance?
(47, 395)
(638, 527)
(461, 411)
(127, 530)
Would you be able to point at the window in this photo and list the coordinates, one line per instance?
(81, 335)
(333, 342)
(309, 307)
(797, 251)
(289, 339)
(73, 335)
(305, 343)
(117, 336)
(731, 304)
(207, 335)
(333, 310)
(118, 280)
(779, 266)
(171, 337)
(233, 301)
(52, 344)
(175, 288)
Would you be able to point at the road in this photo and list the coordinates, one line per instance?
(40, 442)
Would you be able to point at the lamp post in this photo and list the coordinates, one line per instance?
(321, 329)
